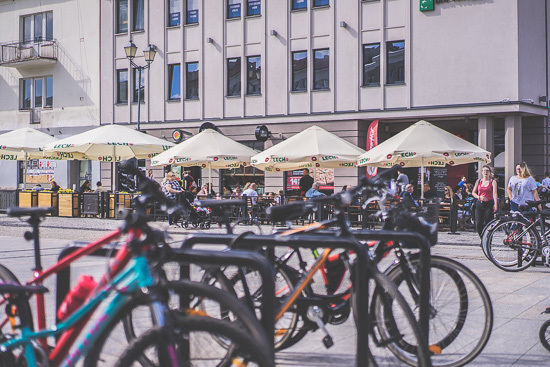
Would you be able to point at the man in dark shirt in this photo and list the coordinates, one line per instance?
(429, 193)
(305, 182)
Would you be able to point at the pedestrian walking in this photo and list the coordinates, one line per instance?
(485, 192)
(521, 187)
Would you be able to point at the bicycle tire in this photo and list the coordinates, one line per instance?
(485, 234)
(134, 319)
(544, 335)
(383, 347)
(194, 330)
(289, 331)
(460, 305)
(505, 250)
(6, 276)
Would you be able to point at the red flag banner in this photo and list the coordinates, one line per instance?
(372, 141)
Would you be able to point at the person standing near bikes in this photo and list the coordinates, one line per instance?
(485, 191)
(521, 187)
(171, 189)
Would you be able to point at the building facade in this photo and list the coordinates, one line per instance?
(474, 67)
(49, 78)
(477, 68)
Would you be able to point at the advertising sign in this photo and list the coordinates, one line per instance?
(372, 141)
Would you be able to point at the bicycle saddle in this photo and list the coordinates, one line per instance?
(24, 212)
(532, 203)
(20, 289)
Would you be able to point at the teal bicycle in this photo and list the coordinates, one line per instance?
(130, 290)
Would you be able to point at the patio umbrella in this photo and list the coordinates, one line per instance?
(423, 145)
(312, 148)
(23, 144)
(207, 149)
(109, 143)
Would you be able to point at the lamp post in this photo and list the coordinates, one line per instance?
(149, 55)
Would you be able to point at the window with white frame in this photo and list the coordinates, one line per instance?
(174, 77)
(320, 69)
(234, 76)
(138, 8)
(192, 80)
(121, 16)
(36, 92)
(37, 27)
(174, 13)
(233, 9)
(192, 11)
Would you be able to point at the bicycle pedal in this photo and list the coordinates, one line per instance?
(327, 341)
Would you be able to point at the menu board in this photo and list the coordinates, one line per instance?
(438, 179)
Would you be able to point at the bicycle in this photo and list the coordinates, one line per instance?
(514, 244)
(121, 311)
(458, 283)
(544, 332)
(297, 301)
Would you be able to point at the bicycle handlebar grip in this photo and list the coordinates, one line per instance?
(286, 212)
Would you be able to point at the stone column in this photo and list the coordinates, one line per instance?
(512, 144)
(486, 132)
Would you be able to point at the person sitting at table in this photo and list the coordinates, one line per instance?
(101, 188)
(429, 193)
(407, 197)
(314, 191)
(38, 187)
(252, 193)
(227, 191)
(458, 195)
(86, 187)
(238, 192)
(279, 197)
(54, 186)
(448, 196)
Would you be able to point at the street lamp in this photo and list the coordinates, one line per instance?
(149, 55)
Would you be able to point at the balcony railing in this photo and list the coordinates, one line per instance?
(37, 51)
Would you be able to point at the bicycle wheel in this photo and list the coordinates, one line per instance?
(485, 235)
(135, 318)
(511, 246)
(288, 329)
(461, 314)
(196, 343)
(544, 335)
(6, 276)
(393, 324)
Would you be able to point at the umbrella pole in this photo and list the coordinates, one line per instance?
(422, 178)
(25, 173)
(209, 190)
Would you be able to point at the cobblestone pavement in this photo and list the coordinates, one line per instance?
(518, 298)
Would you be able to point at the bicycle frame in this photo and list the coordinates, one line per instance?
(131, 279)
(70, 335)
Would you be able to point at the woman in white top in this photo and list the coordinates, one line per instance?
(521, 187)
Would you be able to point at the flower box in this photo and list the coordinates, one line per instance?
(27, 199)
(68, 205)
(48, 199)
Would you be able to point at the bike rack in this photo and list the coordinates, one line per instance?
(226, 258)
(309, 241)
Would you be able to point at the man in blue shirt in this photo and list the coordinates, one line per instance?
(314, 191)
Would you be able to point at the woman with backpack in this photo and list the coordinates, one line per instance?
(485, 191)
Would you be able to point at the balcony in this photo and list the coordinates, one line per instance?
(30, 53)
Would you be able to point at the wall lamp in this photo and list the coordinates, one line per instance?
(343, 24)
(273, 33)
(209, 40)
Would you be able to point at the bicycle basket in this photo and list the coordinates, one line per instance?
(424, 220)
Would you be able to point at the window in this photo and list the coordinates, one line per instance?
(175, 81)
(371, 64)
(234, 76)
(37, 27)
(174, 13)
(138, 15)
(254, 7)
(192, 11)
(299, 4)
(254, 75)
(317, 3)
(192, 80)
(122, 86)
(395, 62)
(137, 84)
(320, 69)
(36, 93)
(233, 9)
(122, 16)
(299, 71)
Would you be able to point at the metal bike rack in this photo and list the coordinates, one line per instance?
(190, 256)
(312, 241)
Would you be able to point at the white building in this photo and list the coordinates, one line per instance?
(49, 76)
(477, 68)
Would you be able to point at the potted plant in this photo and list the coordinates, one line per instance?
(27, 198)
(47, 199)
(68, 203)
